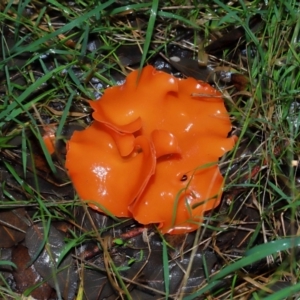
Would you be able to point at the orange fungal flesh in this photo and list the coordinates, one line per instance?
(49, 138)
(185, 186)
(152, 152)
(108, 181)
(164, 143)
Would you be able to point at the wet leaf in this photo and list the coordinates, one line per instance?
(231, 39)
(91, 219)
(45, 182)
(12, 227)
(152, 274)
(190, 68)
(63, 277)
(27, 277)
(129, 55)
(240, 81)
(96, 285)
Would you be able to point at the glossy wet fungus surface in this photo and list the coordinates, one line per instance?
(152, 152)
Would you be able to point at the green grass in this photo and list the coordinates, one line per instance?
(47, 63)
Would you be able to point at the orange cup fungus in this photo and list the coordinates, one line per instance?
(152, 151)
(49, 138)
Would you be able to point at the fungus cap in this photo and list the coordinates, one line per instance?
(152, 151)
